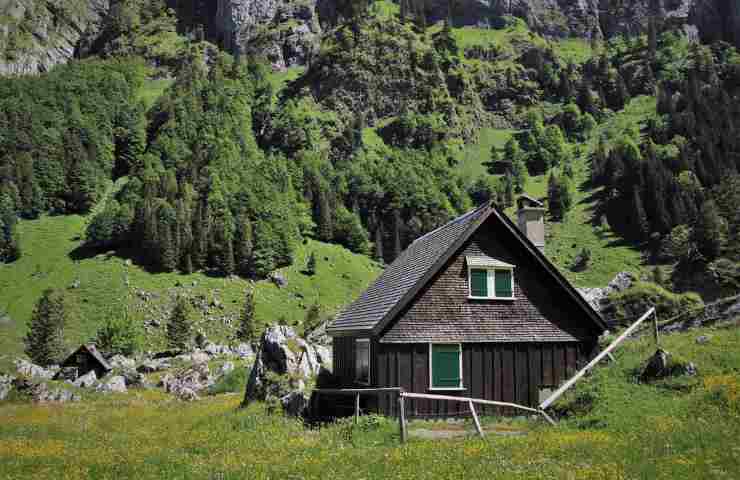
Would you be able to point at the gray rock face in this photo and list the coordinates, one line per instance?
(28, 369)
(716, 19)
(720, 313)
(50, 32)
(90, 379)
(39, 392)
(115, 384)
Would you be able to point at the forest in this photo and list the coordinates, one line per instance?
(225, 173)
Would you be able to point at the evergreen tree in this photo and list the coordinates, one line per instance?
(45, 338)
(246, 331)
(708, 232)
(325, 224)
(637, 223)
(244, 246)
(559, 198)
(508, 191)
(311, 264)
(179, 326)
(379, 242)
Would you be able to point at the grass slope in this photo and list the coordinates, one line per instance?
(52, 258)
(679, 429)
(610, 254)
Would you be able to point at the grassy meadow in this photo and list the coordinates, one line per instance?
(681, 428)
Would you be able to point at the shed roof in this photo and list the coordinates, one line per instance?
(93, 351)
(402, 279)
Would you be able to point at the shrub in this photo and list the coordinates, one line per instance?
(626, 306)
(119, 336)
(233, 382)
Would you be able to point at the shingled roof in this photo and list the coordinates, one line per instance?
(403, 278)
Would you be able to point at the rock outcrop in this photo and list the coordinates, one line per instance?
(596, 296)
(284, 364)
(35, 36)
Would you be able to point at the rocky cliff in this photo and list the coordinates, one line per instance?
(285, 31)
(35, 35)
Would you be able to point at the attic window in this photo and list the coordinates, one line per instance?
(489, 278)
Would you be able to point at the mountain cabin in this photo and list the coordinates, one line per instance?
(473, 309)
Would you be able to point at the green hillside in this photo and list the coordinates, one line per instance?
(54, 258)
(680, 428)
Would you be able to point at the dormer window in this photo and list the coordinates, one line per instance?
(489, 278)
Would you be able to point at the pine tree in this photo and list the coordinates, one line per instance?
(325, 224)
(508, 193)
(228, 264)
(179, 326)
(491, 164)
(244, 246)
(637, 222)
(45, 338)
(708, 231)
(311, 264)
(652, 38)
(379, 242)
(559, 198)
(246, 331)
(397, 248)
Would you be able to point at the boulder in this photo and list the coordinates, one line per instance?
(702, 339)
(28, 369)
(215, 350)
(39, 391)
(662, 365)
(119, 361)
(115, 384)
(90, 379)
(132, 378)
(199, 357)
(6, 385)
(226, 368)
(295, 404)
(244, 350)
(188, 381)
(278, 279)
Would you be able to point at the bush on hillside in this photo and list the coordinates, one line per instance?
(626, 306)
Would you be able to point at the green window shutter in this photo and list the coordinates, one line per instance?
(478, 283)
(504, 287)
(445, 366)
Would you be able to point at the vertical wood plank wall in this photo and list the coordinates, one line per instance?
(508, 372)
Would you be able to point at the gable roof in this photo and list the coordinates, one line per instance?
(402, 279)
(93, 351)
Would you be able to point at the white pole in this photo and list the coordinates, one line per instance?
(595, 361)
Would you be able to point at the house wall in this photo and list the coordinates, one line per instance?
(508, 372)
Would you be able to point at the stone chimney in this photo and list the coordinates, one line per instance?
(531, 220)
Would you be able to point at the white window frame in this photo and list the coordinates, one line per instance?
(491, 283)
(369, 363)
(431, 376)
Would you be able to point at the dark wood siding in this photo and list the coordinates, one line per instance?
(509, 372)
(344, 359)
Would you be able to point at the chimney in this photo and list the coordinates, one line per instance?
(531, 220)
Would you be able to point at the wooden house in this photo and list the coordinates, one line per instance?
(82, 361)
(473, 309)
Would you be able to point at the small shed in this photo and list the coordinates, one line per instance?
(85, 359)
